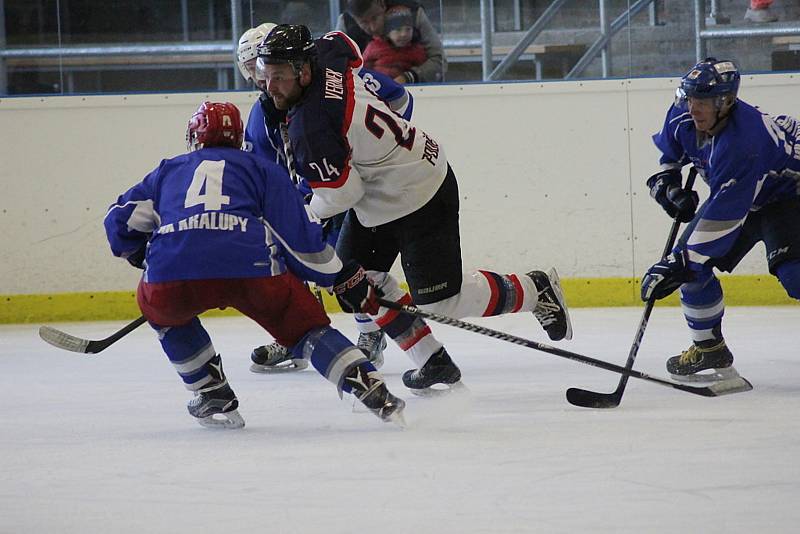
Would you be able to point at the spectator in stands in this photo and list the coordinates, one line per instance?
(396, 53)
(759, 11)
(364, 19)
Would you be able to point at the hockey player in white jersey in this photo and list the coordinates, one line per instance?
(266, 140)
(751, 163)
(400, 194)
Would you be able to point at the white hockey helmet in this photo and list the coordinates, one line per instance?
(247, 46)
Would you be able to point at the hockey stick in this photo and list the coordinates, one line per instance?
(283, 128)
(65, 341)
(714, 390)
(594, 399)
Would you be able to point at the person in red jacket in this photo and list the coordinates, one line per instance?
(395, 54)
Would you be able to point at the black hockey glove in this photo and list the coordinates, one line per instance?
(665, 188)
(664, 277)
(136, 258)
(354, 291)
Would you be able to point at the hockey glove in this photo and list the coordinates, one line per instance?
(136, 258)
(665, 188)
(354, 291)
(664, 277)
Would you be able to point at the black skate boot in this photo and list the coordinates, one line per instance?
(216, 398)
(439, 369)
(373, 344)
(551, 309)
(711, 355)
(275, 358)
(369, 388)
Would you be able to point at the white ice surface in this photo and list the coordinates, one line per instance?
(103, 443)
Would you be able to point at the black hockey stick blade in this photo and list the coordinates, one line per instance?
(713, 390)
(593, 399)
(65, 341)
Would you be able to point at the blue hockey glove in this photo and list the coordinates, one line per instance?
(354, 291)
(665, 188)
(664, 277)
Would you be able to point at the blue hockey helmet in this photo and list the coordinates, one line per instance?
(710, 78)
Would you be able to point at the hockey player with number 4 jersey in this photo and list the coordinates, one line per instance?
(751, 163)
(218, 227)
(401, 196)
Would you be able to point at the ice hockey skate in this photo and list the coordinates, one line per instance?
(275, 358)
(373, 344)
(439, 376)
(704, 361)
(551, 309)
(216, 405)
(369, 388)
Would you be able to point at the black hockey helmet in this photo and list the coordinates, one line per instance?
(287, 43)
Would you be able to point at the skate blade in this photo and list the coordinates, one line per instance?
(552, 274)
(440, 390)
(289, 366)
(223, 421)
(715, 375)
(398, 419)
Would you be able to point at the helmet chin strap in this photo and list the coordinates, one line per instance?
(722, 119)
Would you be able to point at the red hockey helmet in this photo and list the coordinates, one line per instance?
(215, 124)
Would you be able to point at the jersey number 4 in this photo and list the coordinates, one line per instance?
(373, 116)
(206, 187)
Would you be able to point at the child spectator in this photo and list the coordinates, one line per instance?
(395, 54)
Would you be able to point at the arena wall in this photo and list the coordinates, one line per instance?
(549, 173)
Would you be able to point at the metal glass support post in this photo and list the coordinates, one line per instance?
(486, 37)
(714, 17)
(334, 12)
(517, 15)
(605, 55)
(699, 19)
(185, 19)
(652, 13)
(3, 70)
(236, 28)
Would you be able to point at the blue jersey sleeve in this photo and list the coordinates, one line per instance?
(668, 139)
(261, 140)
(132, 219)
(289, 219)
(394, 94)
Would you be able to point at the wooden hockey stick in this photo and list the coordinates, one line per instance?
(65, 341)
(595, 399)
(713, 390)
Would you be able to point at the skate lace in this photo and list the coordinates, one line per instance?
(276, 354)
(367, 341)
(694, 353)
(689, 356)
(545, 311)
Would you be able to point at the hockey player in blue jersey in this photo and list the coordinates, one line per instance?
(751, 163)
(400, 195)
(265, 139)
(219, 227)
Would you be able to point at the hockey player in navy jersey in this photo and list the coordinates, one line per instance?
(219, 227)
(265, 139)
(751, 163)
(400, 195)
